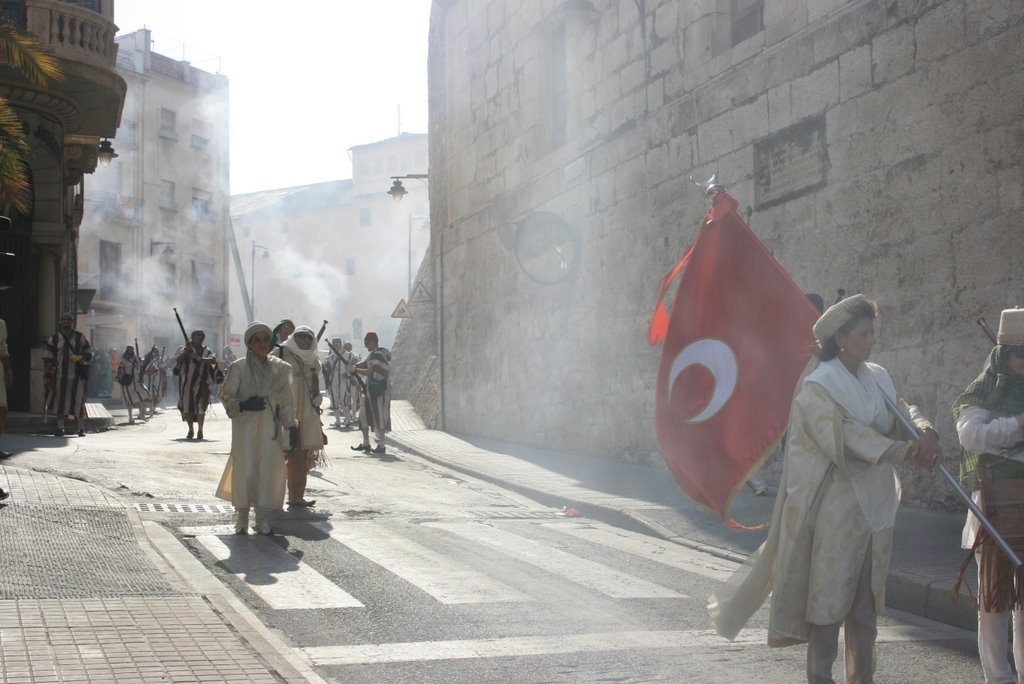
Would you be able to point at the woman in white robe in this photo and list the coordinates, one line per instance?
(827, 554)
(257, 396)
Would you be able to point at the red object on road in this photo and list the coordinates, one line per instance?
(736, 342)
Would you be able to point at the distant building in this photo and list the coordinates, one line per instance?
(342, 250)
(155, 233)
(64, 127)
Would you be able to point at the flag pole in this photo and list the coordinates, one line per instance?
(957, 489)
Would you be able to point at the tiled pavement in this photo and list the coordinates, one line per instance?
(90, 593)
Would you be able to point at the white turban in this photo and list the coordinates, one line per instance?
(838, 315)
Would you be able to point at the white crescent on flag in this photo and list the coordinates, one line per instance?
(719, 359)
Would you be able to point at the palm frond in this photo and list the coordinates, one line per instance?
(23, 51)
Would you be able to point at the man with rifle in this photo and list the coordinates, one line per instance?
(66, 358)
(989, 416)
(376, 411)
(196, 368)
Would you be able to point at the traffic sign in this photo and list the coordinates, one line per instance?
(401, 311)
(420, 295)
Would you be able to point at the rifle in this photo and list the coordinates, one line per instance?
(359, 381)
(321, 333)
(182, 326)
(137, 349)
(988, 330)
(957, 489)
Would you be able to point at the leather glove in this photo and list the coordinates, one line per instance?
(293, 438)
(253, 403)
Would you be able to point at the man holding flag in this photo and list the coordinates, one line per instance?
(736, 346)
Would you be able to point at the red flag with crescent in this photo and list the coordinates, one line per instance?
(736, 342)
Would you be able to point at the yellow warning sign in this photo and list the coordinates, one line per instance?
(402, 310)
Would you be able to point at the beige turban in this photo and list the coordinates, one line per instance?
(1011, 327)
(836, 316)
(255, 327)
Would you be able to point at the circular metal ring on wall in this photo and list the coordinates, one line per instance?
(546, 249)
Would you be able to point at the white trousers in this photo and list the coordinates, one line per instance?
(993, 647)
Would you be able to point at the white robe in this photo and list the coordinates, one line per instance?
(254, 474)
(837, 502)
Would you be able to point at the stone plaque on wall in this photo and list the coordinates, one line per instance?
(790, 162)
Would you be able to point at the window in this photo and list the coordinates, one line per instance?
(747, 19)
(557, 87)
(110, 269)
(204, 284)
(200, 204)
(200, 134)
(167, 194)
(127, 134)
(365, 216)
(350, 266)
(168, 124)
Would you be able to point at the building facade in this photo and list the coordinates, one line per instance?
(873, 146)
(64, 126)
(155, 236)
(343, 251)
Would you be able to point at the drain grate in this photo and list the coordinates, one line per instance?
(183, 508)
(491, 514)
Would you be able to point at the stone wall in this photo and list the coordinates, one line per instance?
(873, 146)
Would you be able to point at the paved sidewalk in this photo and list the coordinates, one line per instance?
(91, 593)
(926, 553)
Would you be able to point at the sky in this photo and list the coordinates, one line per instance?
(308, 79)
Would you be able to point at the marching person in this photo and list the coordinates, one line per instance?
(282, 331)
(827, 554)
(376, 411)
(341, 385)
(257, 396)
(154, 373)
(196, 368)
(5, 384)
(66, 359)
(134, 392)
(300, 352)
(989, 415)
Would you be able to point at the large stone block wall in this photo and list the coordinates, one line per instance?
(873, 146)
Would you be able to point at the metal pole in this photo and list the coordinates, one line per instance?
(252, 276)
(408, 290)
(957, 489)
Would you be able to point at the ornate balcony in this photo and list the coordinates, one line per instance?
(90, 99)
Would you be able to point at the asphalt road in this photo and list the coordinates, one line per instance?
(407, 572)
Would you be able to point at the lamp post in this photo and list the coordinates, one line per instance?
(252, 275)
(411, 219)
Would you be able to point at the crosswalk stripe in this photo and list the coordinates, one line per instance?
(706, 640)
(277, 577)
(585, 572)
(446, 581)
(650, 548)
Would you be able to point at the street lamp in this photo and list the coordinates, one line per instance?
(398, 190)
(411, 219)
(105, 153)
(252, 274)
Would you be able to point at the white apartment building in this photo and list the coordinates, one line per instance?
(154, 236)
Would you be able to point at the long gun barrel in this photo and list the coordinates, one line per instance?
(958, 490)
(181, 326)
(321, 333)
(988, 331)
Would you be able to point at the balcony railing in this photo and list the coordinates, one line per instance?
(73, 31)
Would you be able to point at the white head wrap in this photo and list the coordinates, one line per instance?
(1011, 327)
(307, 356)
(836, 316)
